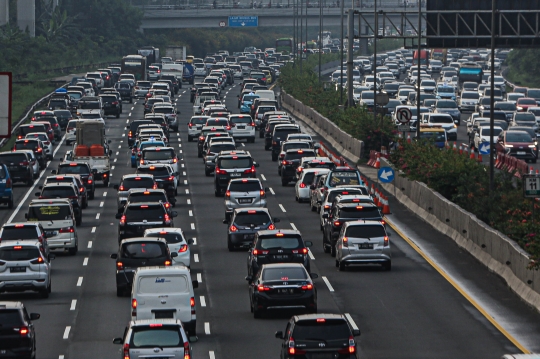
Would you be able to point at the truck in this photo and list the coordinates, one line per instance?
(176, 52)
(470, 71)
(151, 53)
(189, 73)
(439, 54)
(92, 147)
(424, 57)
(174, 69)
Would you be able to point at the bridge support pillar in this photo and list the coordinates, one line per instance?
(364, 42)
(4, 12)
(26, 16)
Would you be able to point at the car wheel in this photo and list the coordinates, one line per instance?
(279, 171)
(74, 250)
(106, 183)
(387, 266)
(78, 220)
(85, 204)
(256, 313)
(230, 246)
(340, 265)
(46, 291)
(189, 138)
(325, 247)
(274, 157)
(284, 182)
(91, 195)
(199, 154)
(216, 192)
(207, 173)
(296, 199)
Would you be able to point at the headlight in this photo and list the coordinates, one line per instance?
(508, 146)
(532, 146)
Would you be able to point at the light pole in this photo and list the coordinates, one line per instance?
(320, 38)
(341, 51)
(492, 101)
(418, 57)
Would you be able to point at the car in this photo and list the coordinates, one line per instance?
(55, 128)
(144, 195)
(291, 162)
(279, 134)
(517, 144)
(333, 332)
(242, 127)
(71, 178)
(34, 145)
(170, 113)
(137, 217)
(159, 155)
(176, 242)
(302, 190)
(314, 162)
(6, 186)
(164, 176)
(282, 286)
(131, 181)
(64, 190)
(230, 165)
(524, 119)
(205, 130)
(277, 246)
(524, 103)
(126, 91)
(216, 145)
(326, 197)
(45, 143)
(195, 126)
(138, 252)
(83, 170)
(443, 120)
(19, 167)
(243, 193)
(298, 145)
(244, 223)
(25, 266)
(450, 107)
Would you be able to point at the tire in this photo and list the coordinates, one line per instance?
(189, 138)
(44, 293)
(10, 203)
(106, 183)
(192, 329)
(387, 266)
(176, 191)
(341, 266)
(199, 154)
(230, 246)
(256, 313)
(85, 204)
(296, 198)
(216, 192)
(279, 171)
(332, 250)
(325, 248)
(78, 220)
(74, 250)
(284, 182)
(91, 195)
(119, 292)
(207, 174)
(313, 208)
(274, 157)
(261, 135)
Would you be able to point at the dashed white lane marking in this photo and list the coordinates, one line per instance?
(311, 256)
(132, 108)
(196, 258)
(243, 144)
(123, 135)
(117, 152)
(104, 194)
(115, 159)
(282, 208)
(73, 304)
(129, 114)
(351, 321)
(293, 226)
(262, 176)
(182, 165)
(187, 191)
(188, 201)
(79, 281)
(89, 244)
(180, 152)
(272, 191)
(206, 328)
(193, 226)
(199, 277)
(85, 261)
(119, 146)
(203, 301)
(93, 230)
(327, 282)
(66, 332)
(60, 357)
(185, 182)
(127, 121)
(97, 216)
(184, 92)
(112, 167)
(179, 145)
(211, 354)
(190, 213)
(184, 173)
(194, 241)
(101, 204)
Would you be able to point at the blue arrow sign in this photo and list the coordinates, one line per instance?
(386, 174)
(243, 21)
(484, 148)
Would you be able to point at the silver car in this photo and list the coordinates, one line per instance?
(362, 242)
(154, 338)
(244, 193)
(306, 178)
(24, 266)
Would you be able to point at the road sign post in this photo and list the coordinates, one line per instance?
(484, 148)
(5, 104)
(531, 186)
(386, 174)
(404, 116)
(243, 21)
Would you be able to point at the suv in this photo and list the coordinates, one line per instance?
(139, 252)
(147, 338)
(245, 222)
(280, 134)
(19, 167)
(362, 242)
(169, 112)
(76, 180)
(277, 246)
(125, 90)
(342, 213)
(83, 170)
(140, 195)
(195, 126)
(164, 176)
(205, 130)
(137, 217)
(230, 165)
(25, 231)
(242, 126)
(25, 266)
(243, 193)
(63, 117)
(111, 105)
(291, 162)
(343, 176)
(17, 333)
(132, 181)
(67, 191)
(132, 129)
(333, 332)
(35, 146)
(159, 155)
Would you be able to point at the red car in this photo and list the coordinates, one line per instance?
(524, 103)
(518, 144)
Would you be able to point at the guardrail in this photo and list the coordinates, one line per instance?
(62, 70)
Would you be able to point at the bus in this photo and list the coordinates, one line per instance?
(136, 65)
(284, 45)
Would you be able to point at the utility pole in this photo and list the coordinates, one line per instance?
(341, 51)
(350, 39)
(301, 36)
(376, 35)
(320, 38)
(492, 101)
(418, 57)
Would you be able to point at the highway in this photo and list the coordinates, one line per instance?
(410, 312)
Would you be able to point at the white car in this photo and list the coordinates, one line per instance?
(483, 134)
(200, 70)
(97, 77)
(88, 88)
(301, 188)
(165, 155)
(242, 127)
(237, 71)
(176, 242)
(45, 143)
(195, 126)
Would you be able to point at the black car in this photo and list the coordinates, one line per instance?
(269, 130)
(202, 137)
(140, 195)
(63, 117)
(232, 165)
(17, 333)
(281, 286)
(174, 81)
(280, 134)
(137, 217)
(126, 91)
(132, 129)
(291, 162)
(64, 190)
(277, 246)
(345, 212)
(79, 168)
(164, 176)
(139, 252)
(110, 105)
(35, 146)
(328, 335)
(19, 167)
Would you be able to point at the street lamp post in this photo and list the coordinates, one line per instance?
(341, 50)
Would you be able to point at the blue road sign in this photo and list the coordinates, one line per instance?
(386, 174)
(243, 21)
(484, 148)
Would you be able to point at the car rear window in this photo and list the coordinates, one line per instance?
(222, 147)
(156, 337)
(31, 145)
(10, 318)
(137, 182)
(164, 110)
(108, 98)
(34, 128)
(25, 232)
(256, 218)
(332, 195)
(308, 178)
(229, 163)
(344, 178)
(290, 146)
(241, 119)
(216, 122)
(150, 197)
(77, 169)
(170, 237)
(22, 254)
(297, 156)
(317, 164)
(283, 274)
(135, 124)
(158, 155)
(359, 212)
(329, 329)
(54, 212)
(282, 134)
(145, 212)
(146, 250)
(249, 186)
(365, 231)
(156, 171)
(13, 158)
(283, 242)
(57, 192)
(198, 120)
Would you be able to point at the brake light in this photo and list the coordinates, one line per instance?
(233, 228)
(291, 346)
(186, 351)
(19, 226)
(174, 160)
(307, 287)
(252, 124)
(119, 265)
(183, 248)
(130, 134)
(8, 183)
(326, 206)
(302, 185)
(201, 138)
(337, 223)
(126, 351)
(262, 193)
(24, 331)
(167, 219)
(383, 222)
(352, 346)
(228, 193)
(192, 303)
(67, 230)
(251, 170)
(271, 227)
(90, 179)
(134, 303)
(121, 188)
(345, 241)
(25, 163)
(123, 220)
(219, 171)
(167, 263)
(386, 241)
(39, 260)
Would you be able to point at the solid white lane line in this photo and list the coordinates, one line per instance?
(262, 176)
(199, 277)
(190, 213)
(73, 304)
(203, 301)
(282, 208)
(293, 226)
(85, 261)
(196, 258)
(311, 256)
(211, 354)
(206, 328)
(66, 332)
(327, 282)
(104, 194)
(79, 281)
(101, 204)
(97, 216)
(272, 191)
(188, 201)
(193, 226)
(187, 191)
(351, 321)
(184, 173)
(89, 244)
(93, 230)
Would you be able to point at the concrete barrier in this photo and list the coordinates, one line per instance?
(492, 248)
(342, 141)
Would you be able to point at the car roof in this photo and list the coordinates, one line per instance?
(22, 243)
(143, 239)
(59, 184)
(134, 175)
(247, 209)
(14, 224)
(11, 305)
(275, 231)
(50, 201)
(298, 318)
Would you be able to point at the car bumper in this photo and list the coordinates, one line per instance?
(303, 193)
(243, 134)
(230, 206)
(36, 284)
(242, 238)
(61, 241)
(359, 258)
(306, 300)
(124, 278)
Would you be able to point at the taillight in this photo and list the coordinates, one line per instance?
(119, 265)
(228, 193)
(126, 351)
(352, 345)
(262, 193)
(130, 134)
(251, 170)
(252, 124)
(337, 223)
(134, 303)
(192, 303)
(307, 287)
(271, 227)
(38, 260)
(121, 188)
(201, 138)
(23, 331)
(183, 248)
(167, 219)
(263, 288)
(175, 160)
(25, 163)
(187, 355)
(39, 150)
(233, 228)
(345, 241)
(90, 179)
(171, 178)
(291, 346)
(302, 185)
(221, 172)
(67, 229)
(9, 183)
(123, 220)
(257, 252)
(190, 125)
(386, 241)
(167, 263)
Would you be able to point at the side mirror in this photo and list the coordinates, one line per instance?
(118, 341)
(114, 256)
(174, 214)
(195, 284)
(277, 220)
(37, 194)
(279, 334)
(249, 278)
(174, 254)
(314, 275)
(356, 332)
(118, 215)
(255, 164)
(116, 187)
(325, 215)
(53, 172)
(109, 141)
(308, 243)
(35, 316)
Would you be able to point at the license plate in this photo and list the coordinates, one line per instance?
(17, 269)
(286, 290)
(241, 127)
(521, 152)
(164, 315)
(249, 236)
(51, 233)
(12, 168)
(244, 200)
(365, 246)
(281, 256)
(320, 356)
(236, 174)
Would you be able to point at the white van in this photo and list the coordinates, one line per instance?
(266, 94)
(164, 293)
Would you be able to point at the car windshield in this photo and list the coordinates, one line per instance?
(198, 120)
(514, 96)
(254, 218)
(164, 110)
(16, 254)
(137, 182)
(428, 83)
(533, 93)
(158, 155)
(222, 147)
(470, 95)
(86, 105)
(518, 137)
(281, 274)
(283, 242)
(338, 178)
(525, 117)
(140, 250)
(316, 330)
(77, 169)
(49, 213)
(440, 119)
(496, 131)
(446, 104)
(170, 237)
(227, 163)
(526, 101)
(365, 231)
